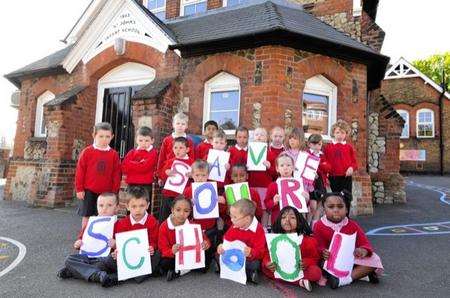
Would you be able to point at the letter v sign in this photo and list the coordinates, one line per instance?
(254, 162)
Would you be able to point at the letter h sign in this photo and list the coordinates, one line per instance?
(190, 254)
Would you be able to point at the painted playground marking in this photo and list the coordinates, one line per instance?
(19, 258)
(423, 229)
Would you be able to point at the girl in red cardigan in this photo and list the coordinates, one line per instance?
(181, 209)
(367, 263)
(291, 221)
(285, 168)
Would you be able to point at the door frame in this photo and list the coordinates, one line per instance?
(126, 75)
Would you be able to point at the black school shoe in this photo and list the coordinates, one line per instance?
(373, 278)
(254, 277)
(171, 275)
(104, 279)
(64, 273)
(332, 281)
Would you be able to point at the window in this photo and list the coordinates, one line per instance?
(157, 7)
(39, 125)
(190, 7)
(222, 101)
(319, 106)
(405, 115)
(230, 3)
(425, 123)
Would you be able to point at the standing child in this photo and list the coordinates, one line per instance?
(209, 225)
(277, 135)
(98, 171)
(295, 143)
(219, 142)
(202, 149)
(291, 221)
(321, 181)
(367, 263)
(285, 168)
(181, 209)
(79, 266)
(180, 125)
(342, 159)
(247, 229)
(139, 165)
(180, 150)
(238, 153)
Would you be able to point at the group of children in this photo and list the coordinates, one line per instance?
(98, 178)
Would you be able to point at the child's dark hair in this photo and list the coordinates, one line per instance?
(200, 164)
(181, 140)
(144, 131)
(345, 195)
(179, 199)
(210, 122)
(102, 126)
(302, 225)
(315, 138)
(137, 192)
(110, 195)
(241, 128)
(239, 166)
(246, 207)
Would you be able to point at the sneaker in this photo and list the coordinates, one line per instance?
(110, 280)
(64, 273)
(254, 277)
(373, 278)
(306, 284)
(333, 281)
(171, 275)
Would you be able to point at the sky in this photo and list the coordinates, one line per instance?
(31, 30)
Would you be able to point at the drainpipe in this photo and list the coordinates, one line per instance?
(441, 126)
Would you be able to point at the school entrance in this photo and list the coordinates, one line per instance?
(115, 90)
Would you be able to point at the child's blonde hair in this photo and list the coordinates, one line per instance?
(200, 164)
(180, 117)
(284, 155)
(109, 195)
(343, 125)
(299, 134)
(261, 130)
(245, 207)
(276, 128)
(220, 134)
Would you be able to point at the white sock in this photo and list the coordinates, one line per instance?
(345, 281)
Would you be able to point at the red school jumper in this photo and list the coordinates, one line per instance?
(324, 166)
(166, 150)
(167, 166)
(139, 166)
(274, 209)
(167, 238)
(264, 178)
(253, 237)
(202, 149)
(98, 170)
(341, 156)
(310, 260)
(147, 222)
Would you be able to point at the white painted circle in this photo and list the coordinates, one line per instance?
(19, 258)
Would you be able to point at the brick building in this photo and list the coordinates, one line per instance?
(239, 62)
(425, 108)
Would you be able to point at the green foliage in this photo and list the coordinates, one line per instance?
(433, 66)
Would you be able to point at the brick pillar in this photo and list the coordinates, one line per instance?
(172, 9)
(212, 4)
(362, 194)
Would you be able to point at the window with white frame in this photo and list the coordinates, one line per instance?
(405, 115)
(190, 7)
(222, 101)
(425, 123)
(229, 3)
(319, 105)
(39, 124)
(157, 7)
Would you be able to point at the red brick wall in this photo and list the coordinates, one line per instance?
(212, 4)
(413, 94)
(172, 8)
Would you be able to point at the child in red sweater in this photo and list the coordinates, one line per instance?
(238, 152)
(202, 149)
(277, 135)
(219, 142)
(80, 266)
(367, 263)
(209, 225)
(98, 171)
(261, 179)
(321, 181)
(180, 150)
(139, 165)
(285, 168)
(342, 158)
(247, 229)
(291, 221)
(180, 125)
(181, 210)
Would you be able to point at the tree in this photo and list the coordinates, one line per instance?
(433, 67)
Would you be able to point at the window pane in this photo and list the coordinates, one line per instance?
(235, 2)
(161, 3)
(189, 9)
(161, 15)
(225, 100)
(405, 130)
(315, 113)
(152, 4)
(43, 132)
(425, 130)
(226, 120)
(424, 117)
(201, 7)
